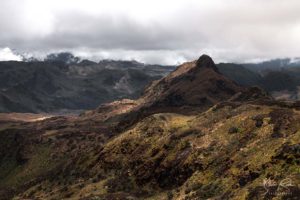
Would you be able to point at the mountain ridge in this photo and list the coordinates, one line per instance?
(64, 83)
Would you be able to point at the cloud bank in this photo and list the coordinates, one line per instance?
(166, 32)
(6, 54)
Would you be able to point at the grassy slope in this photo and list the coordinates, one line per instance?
(231, 165)
(225, 152)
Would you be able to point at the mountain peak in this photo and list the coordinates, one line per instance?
(192, 84)
(206, 61)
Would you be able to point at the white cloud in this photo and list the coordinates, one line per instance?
(6, 54)
(154, 31)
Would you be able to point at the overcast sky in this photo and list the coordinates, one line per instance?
(152, 31)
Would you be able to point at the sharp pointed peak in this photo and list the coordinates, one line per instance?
(206, 61)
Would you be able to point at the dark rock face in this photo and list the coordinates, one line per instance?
(205, 61)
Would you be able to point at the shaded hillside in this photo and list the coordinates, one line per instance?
(57, 86)
(282, 83)
(277, 81)
(273, 65)
(240, 74)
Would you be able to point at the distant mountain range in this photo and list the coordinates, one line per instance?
(65, 83)
(55, 84)
(275, 64)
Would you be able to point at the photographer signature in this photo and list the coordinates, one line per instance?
(282, 187)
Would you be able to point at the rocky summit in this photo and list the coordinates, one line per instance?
(194, 134)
